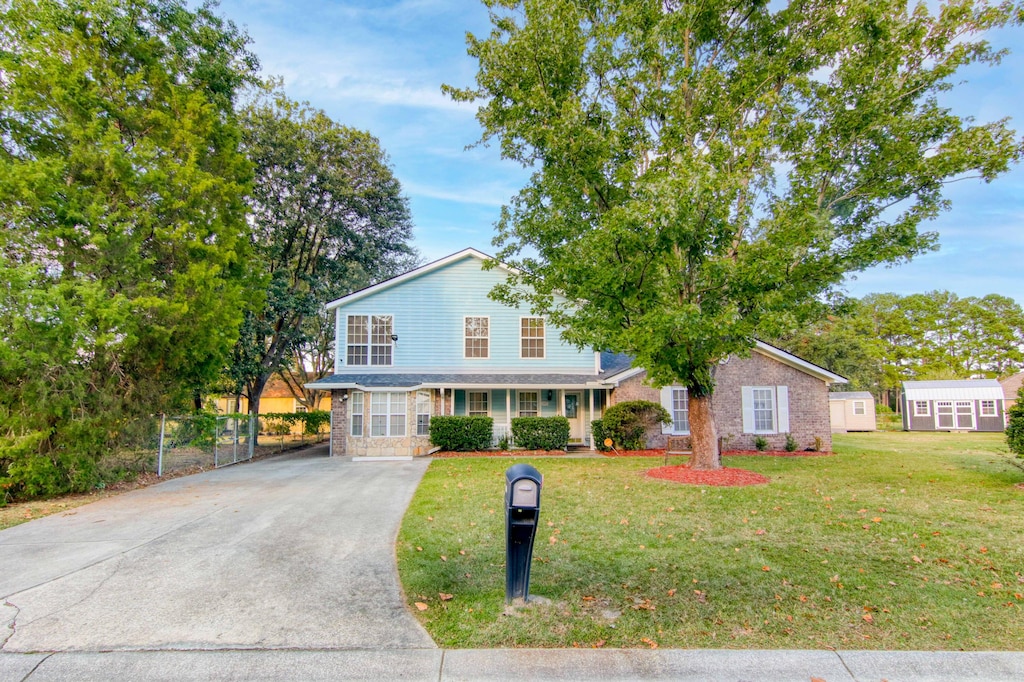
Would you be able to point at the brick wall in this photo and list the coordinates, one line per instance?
(339, 421)
(808, 402)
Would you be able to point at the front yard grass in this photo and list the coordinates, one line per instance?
(898, 541)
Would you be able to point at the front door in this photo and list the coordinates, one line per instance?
(575, 416)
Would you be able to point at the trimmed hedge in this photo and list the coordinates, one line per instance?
(312, 421)
(540, 433)
(627, 423)
(461, 434)
(599, 434)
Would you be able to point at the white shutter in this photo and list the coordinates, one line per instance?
(782, 398)
(666, 402)
(748, 408)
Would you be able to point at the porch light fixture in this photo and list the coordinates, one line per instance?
(394, 338)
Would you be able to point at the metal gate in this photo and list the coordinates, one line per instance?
(234, 439)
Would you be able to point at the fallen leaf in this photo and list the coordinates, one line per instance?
(765, 568)
(444, 558)
(649, 642)
(421, 606)
(419, 549)
(759, 531)
(599, 643)
(917, 559)
(672, 592)
(553, 540)
(445, 596)
(462, 552)
(430, 518)
(877, 519)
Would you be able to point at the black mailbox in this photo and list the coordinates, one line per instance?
(522, 509)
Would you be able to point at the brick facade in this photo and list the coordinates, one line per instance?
(366, 446)
(808, 403)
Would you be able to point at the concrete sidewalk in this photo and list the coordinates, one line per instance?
(516, 664)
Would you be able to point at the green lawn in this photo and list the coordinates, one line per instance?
(899, 541)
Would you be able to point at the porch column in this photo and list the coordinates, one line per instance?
(587, 428)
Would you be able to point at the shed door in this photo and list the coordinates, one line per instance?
(965, 414)
(944, 415)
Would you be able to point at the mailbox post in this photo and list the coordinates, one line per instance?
(522, 509)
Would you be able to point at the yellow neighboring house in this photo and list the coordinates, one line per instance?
(276, 397)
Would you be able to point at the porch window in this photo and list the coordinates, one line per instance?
(369, 340)
(476, 402)
(532, 337)
(528, 402)
(422, 413)
(478, 336)
(355, 409)
(387, 414)
(988, 408)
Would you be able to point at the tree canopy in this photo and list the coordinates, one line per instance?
(327, 217)
(704, 173)
(123, 240)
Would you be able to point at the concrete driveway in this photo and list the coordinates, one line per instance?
(295, 552)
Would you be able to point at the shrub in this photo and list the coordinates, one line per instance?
(761, 443)
(627, 423)
(791, 444)
(461, 434)
(1015, 425)
(599, 434)
(540, 433)
(312, 421)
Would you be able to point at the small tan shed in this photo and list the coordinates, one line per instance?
(851, 411)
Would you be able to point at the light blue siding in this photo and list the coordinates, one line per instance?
(429, 312)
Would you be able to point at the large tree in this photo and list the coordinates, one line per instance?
(123, 223)
(327, 215)
(703, 172)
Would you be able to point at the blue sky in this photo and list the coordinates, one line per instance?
(378, 66)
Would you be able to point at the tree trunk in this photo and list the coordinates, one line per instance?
(703, 435)
(255, 389)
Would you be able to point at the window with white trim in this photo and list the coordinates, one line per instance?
(476, 403)
(478, 337)
(921, 408)
(423, 409)
(528, 403)
(764, 410)
(387, 414)
(680, 410)
(355, 410)
(859, 408)
(988, 408)
(368, 340)
(531, 334)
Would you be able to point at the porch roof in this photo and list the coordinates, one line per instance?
(492, 381)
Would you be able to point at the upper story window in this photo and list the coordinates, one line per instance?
(532, 337)
(369, 340)
(478, 337)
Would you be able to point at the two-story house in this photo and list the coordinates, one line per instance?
(431, 342)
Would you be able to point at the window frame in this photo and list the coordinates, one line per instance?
(423, 397)
(671, 398)
(859, 404)
(523, 338)
(466, 337)
(351, 346)
(383, 409)
(983, 412)
(470, 412)
(371, 344)
(356, 398)
(773, 409)
(536, 402)
(927, 408)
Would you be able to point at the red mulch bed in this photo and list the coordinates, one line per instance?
(774, 453)
(447, 454)
(726, 476)
(726, 453)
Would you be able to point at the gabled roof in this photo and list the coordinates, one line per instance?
(759, 347)
(966, 389)
(1011, 385)
(412, 274)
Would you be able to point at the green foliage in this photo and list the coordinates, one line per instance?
(791, 444)
(461, 434)
(627, 423)
(761, 443)
(312, 421)
(599, 434)
(123, 246)
(1015, 425)
(701, 176)
(540, 433)
(328, 218)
